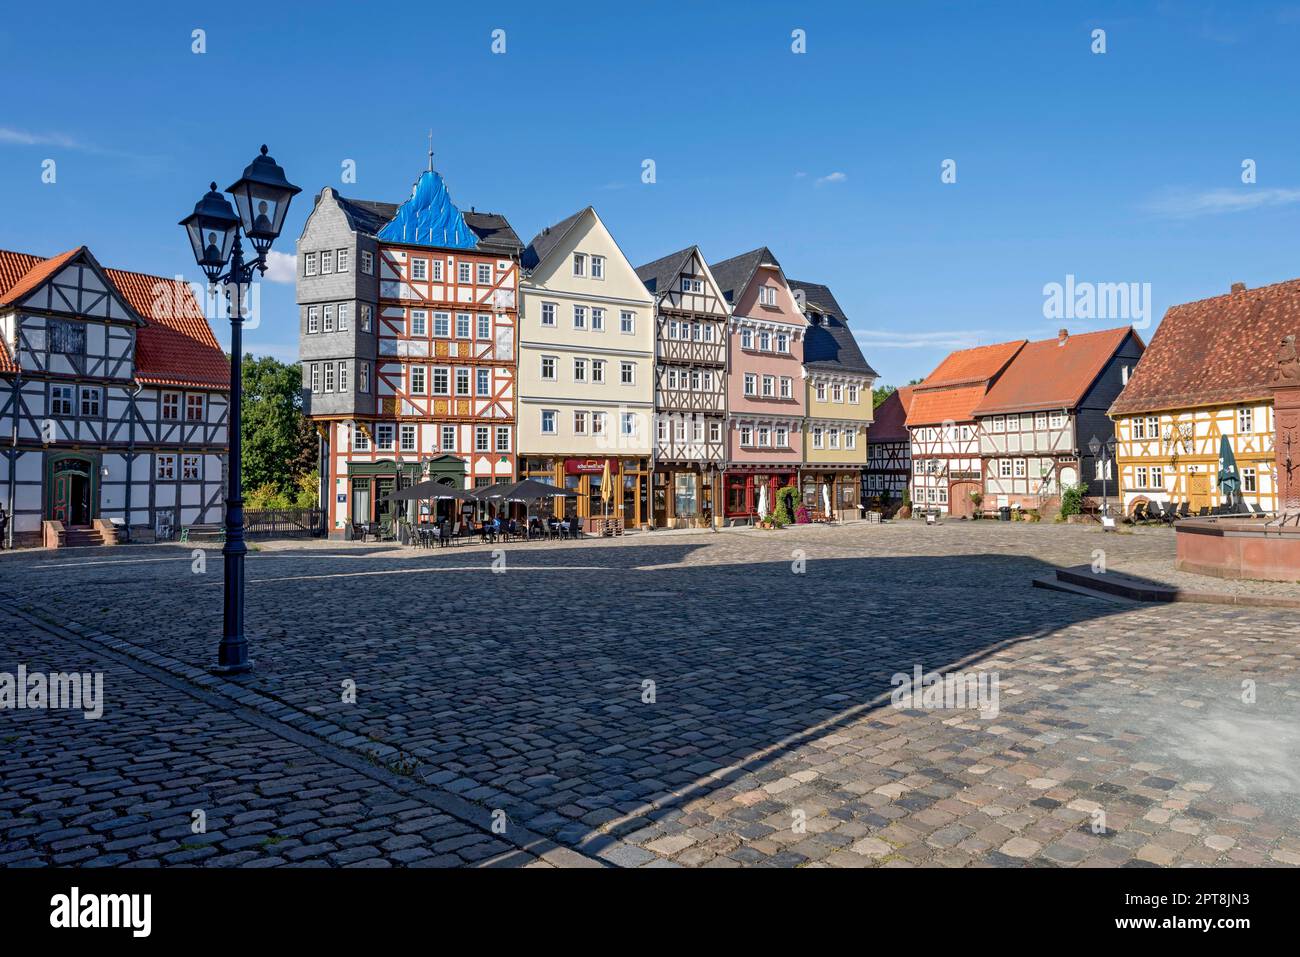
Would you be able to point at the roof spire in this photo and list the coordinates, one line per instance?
(430, 150)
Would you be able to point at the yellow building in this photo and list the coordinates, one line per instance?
(1207, 375)
(838, 381)
(586, 369)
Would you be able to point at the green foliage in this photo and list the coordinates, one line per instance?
(786, 499)
(1072, 500)
(279, 441)
(307, 490)
(266, 496)
(880, 393)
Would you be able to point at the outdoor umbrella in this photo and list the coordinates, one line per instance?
(826, 499)
(762, 500)
(529, 490)
(1229, 481)
(606, 487)
(430, 489)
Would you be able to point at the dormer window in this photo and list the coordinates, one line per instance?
(767, 295)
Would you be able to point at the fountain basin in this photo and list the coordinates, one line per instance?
(1238, 548)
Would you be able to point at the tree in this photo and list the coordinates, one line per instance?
(882, 392)
(279, 441)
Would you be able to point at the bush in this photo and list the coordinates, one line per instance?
(1072, 500)
(266, 497)
(802, 516)
(307, 493)
(782, 515)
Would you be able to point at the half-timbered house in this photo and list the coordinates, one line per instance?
(444, 341)
(586, 369)
(113, 400)
(946, 465)
(838, 381)
(1206, 376)
(766, 401)
(1036, 423)
(690, 389)
(889, 450)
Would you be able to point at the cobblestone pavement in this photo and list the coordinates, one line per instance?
(1123, 734)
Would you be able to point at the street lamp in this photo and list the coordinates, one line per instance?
(262, 196)
(1096, 447)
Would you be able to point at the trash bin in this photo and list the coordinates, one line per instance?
(1004, 513)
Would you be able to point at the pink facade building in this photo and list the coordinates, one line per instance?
(765, 391)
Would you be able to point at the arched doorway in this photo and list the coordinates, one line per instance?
(71, 490)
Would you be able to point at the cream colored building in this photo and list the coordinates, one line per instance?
(586, 369)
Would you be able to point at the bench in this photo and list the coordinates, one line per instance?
(210, 531)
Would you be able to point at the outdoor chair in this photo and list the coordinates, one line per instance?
(1184, 510)
(577, 528)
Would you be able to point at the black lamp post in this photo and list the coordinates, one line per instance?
(262, 195)
(1096, 447)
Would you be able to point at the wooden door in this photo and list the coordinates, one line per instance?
(960, 504)
(1198, 491)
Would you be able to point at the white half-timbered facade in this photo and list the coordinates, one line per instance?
(690, 389)
(1037, 423)
(116, 397)
(946, 466)
(889, 451)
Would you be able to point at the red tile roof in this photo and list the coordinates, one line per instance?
(968, 366)
(1214, 351)
(947, 404)
(38, 270)
(958, 384)
(890, 422)
(174, 347)
(1053, 374)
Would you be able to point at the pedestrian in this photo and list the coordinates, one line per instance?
(4, 526)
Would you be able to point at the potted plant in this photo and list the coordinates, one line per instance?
(977, 498)
(802, 516)
(905, 510)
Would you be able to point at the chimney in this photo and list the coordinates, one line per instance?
(1238, 287)
(1061, 336)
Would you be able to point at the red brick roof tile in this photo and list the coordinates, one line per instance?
(958, 384)
(890, 422)
(1214, 351)
(174, 347)
(1051, 374)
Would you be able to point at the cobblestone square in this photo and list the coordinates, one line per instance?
(666, 699)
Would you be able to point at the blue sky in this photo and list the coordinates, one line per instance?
(1117, 167)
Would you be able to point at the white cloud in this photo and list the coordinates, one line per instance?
(1186, 204)
(881, 339)
(281, 267)
(26, 138)
(836, 177)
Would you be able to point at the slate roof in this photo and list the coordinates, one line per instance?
(1050, 375)
(659, 275)
(890, 422)
(959, 383)
(175, 346)
(829, 343)
(733, 275)
(366, 216)
(494, 232)
(1214, 351)
(548, 239)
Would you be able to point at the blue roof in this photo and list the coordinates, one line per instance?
(430, 218)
